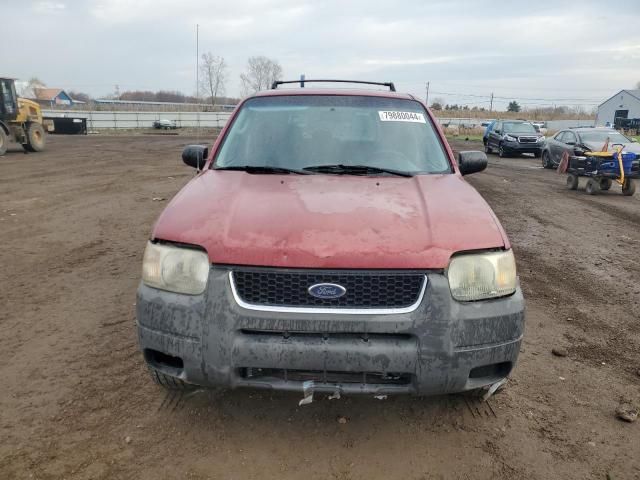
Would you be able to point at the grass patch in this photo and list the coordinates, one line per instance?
(470, 138)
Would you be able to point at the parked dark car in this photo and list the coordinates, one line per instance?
(575, 141)
(164, 124)
(513, 137)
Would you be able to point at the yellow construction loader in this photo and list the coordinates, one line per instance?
(20, 120)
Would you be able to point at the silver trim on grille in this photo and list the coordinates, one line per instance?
(339, 311)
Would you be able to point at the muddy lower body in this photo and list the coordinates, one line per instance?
(77, 402)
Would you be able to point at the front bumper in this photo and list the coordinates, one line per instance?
(517, 147)
(443, 346)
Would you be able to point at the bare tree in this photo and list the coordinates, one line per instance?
(261, 73)
(214, 75)
(28, 89)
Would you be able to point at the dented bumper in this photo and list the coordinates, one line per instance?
(442, 346)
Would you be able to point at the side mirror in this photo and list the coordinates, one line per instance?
(472, 162)
(195, 156)
(498, 132)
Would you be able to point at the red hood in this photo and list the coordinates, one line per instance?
(327, 221)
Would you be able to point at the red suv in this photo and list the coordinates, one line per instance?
(329, 242)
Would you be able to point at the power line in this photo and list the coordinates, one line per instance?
(518, 97)
(510, 87)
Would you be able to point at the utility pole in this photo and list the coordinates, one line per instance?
(197, 64)
(198, 78)
(491, 105)
(427, 99)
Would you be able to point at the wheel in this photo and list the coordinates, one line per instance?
(4, 140)
(487, 148)
(572, 182)
(546, 160)
(501, 152)
(605, 183)
(169, 382)
(35, 138)
(593, 187)
(628, 187)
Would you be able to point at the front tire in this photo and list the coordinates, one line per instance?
(501, 152)
(628, 187)
(168, 382)
(487, 148)
(572, 182)
(35, 138)
(4, 141)
(546, 161)
(593, 187)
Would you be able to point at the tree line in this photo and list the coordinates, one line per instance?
(514, 107)
(438, 104)
(259, 74)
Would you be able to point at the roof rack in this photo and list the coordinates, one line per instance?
(275, 84)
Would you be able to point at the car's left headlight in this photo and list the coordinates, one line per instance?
(510, 138)
(541, 139)
(479, 276)
(176, 269)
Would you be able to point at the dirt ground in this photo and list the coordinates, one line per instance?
(76, 402)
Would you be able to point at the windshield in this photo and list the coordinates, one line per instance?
(519, 128)
(600, 136)
(298, 132)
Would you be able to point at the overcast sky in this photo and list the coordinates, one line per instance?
(536, 52)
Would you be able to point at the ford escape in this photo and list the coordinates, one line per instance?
(329, 237)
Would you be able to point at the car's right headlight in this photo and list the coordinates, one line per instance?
(176, 269)
(480, 276)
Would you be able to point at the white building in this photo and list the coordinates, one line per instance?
(625, 104)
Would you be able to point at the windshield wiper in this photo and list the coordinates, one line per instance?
(263, 169)
(355, 170)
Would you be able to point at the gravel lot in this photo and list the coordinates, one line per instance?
(76, 401)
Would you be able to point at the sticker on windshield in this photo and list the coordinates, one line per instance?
(392, 116)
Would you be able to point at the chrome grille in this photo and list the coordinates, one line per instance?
(364, 290)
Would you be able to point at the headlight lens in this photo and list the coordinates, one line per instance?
(176, 269)
(480, 276)
(509, 138)
(542, 138)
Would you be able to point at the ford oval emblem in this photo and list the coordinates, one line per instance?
(327, 291)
